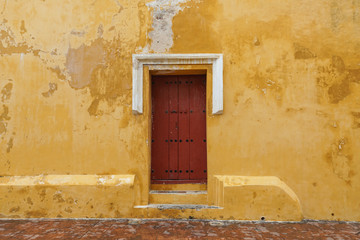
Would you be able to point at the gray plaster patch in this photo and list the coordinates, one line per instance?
(162, 15)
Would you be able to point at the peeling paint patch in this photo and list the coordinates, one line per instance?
(93, 108)
(2, 128)
(52, 89)
(9, 46)
(58, 73)
(340, 159)
(354, 75)
(6, 92)
(82, 61)
(302, 52)
(100, 31)
(341, 167)
(4, 116)
(339, 91)
(263, 83)
(29, 201)
(8, 43)
(14, 209)
(334, 80)
(356, 119)
(57, 197)
(100, 67)
(338, 63)
(79, 33)
(35, 214)
(68, 210)
(163, 14)
(10, 145)
(22, 27)
(336, 14)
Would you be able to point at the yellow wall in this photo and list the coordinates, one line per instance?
(291, 98)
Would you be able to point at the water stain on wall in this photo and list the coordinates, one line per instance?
(58, 197)
(58, 72)
(5, 96)
(2, 128)
(29, 201)
(36, 213)
(10, 145)
(356, 119)
(22, 27)
(14, 209)
(336, 14)
(52, 89)
(301, 52)
(68, 210)
(4, 117)
(5, 114)
(354, 75)
(338, 64)
(340, 158)
(334, 80)
(339, 91)
(267, 85)
(6, 92)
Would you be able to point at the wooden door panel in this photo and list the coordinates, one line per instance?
(184, 128)
(178, 150)
(197, 128)
(173, 127)
(160, 125)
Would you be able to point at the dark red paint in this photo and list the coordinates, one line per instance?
(178, 149)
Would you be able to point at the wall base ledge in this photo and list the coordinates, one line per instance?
(106, 180)
(257, 198)
(67, 196)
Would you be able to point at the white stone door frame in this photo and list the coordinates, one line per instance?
(139, 60)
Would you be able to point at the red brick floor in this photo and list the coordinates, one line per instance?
(174, 229)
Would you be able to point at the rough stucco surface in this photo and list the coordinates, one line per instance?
(291, 93)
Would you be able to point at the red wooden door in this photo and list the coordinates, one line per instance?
(178, 146)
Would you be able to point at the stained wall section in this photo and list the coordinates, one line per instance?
(291, 96)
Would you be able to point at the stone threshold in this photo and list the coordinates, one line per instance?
(177, 192)
(177, 206)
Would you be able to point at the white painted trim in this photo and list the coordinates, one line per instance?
(139, 60)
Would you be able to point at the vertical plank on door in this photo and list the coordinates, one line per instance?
(198, 165)
(160, 125)
(173, 127)
(184, 131)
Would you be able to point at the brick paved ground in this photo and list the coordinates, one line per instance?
(174, 229)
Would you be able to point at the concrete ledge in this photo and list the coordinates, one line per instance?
(257, 198)
(106, 180)
(67, 196)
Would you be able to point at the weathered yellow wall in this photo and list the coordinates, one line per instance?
(291, 94)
